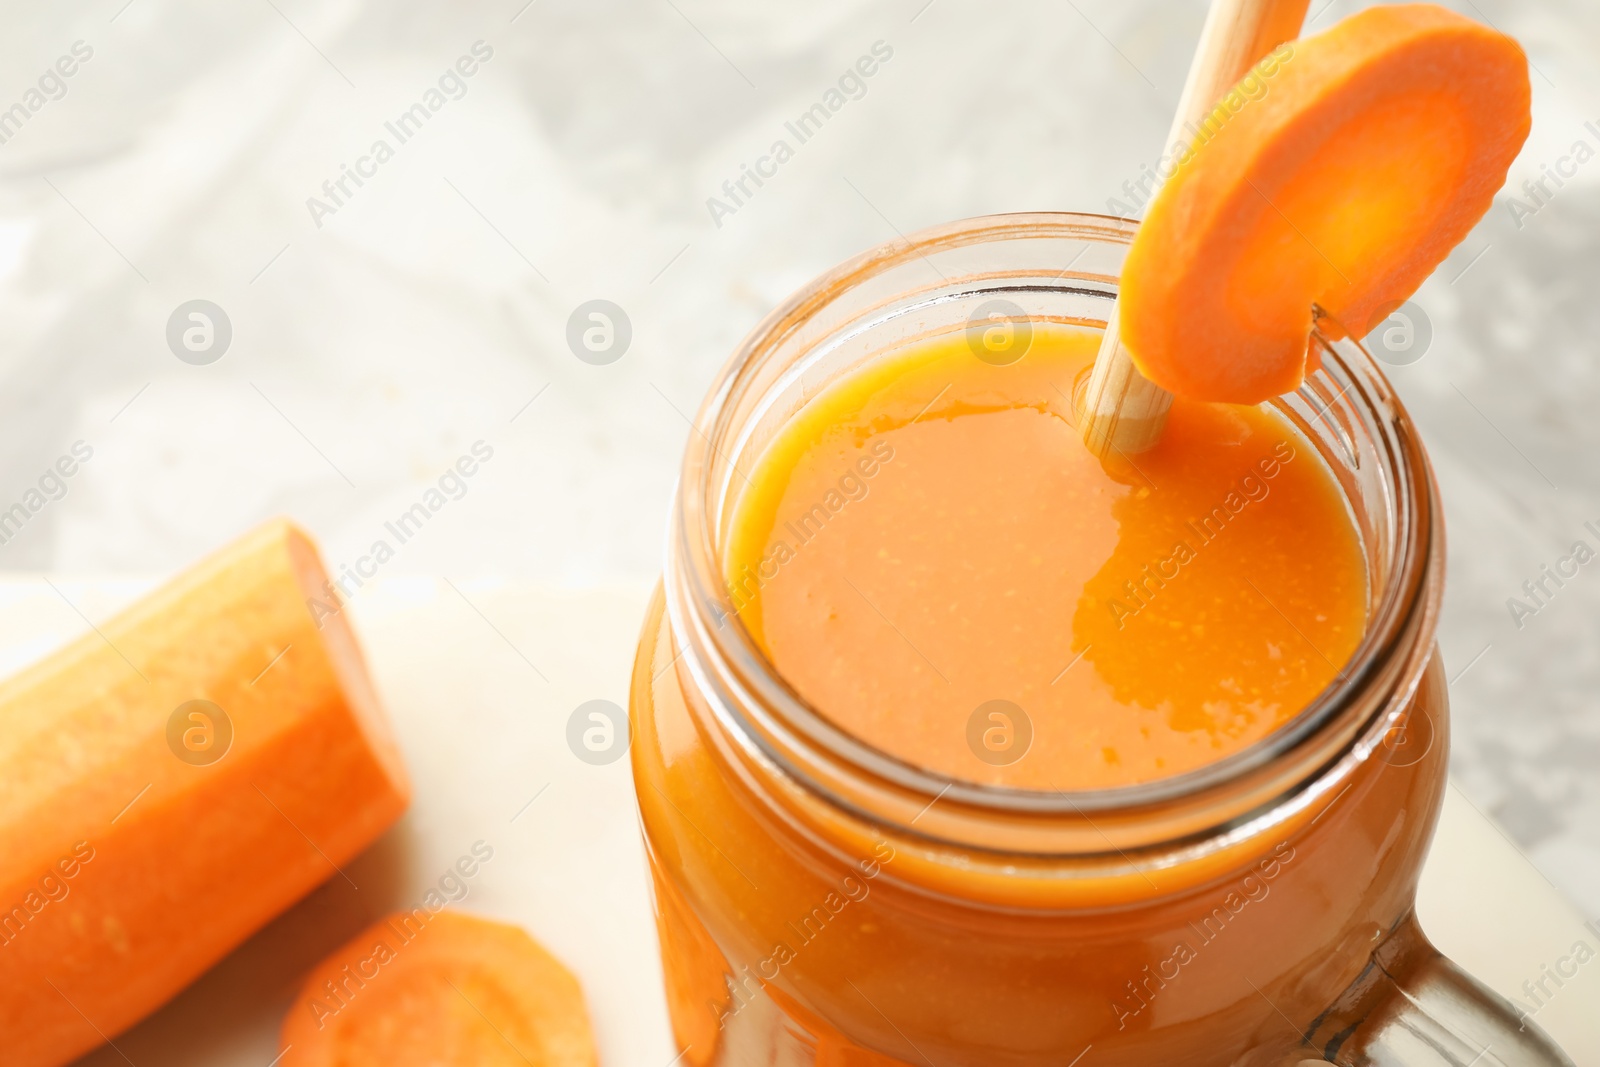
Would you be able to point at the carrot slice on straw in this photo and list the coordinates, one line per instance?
(1337, 176)
(422, 989)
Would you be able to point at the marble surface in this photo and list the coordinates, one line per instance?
(372, 346)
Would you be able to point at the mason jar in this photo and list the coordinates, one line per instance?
(821, 901)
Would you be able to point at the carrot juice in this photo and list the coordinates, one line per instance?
(930, 537)
(955, 745)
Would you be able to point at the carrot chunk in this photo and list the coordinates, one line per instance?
(421, 989)
(173, 781)
(1338, 174)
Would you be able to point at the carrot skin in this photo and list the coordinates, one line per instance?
(176, 853)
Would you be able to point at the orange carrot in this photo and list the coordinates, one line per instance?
(426, 989)
(1339, 173)
(171, 782)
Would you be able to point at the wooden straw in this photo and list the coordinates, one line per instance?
(1122, 410)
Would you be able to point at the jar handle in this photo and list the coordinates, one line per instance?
(1412, 1007)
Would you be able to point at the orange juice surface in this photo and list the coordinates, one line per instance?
(930, 557)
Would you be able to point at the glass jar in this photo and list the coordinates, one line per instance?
(823, 902)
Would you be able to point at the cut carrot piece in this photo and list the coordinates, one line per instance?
(1339, 173)
(439, 989)
(171, 782)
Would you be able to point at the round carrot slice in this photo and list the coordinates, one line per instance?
(1337, 175)
(422, 989)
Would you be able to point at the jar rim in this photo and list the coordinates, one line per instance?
(775, 724)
